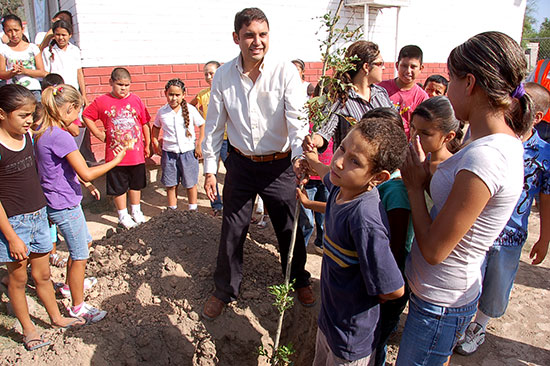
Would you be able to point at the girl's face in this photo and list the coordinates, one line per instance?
(19, 121)
(376, 68)
(69, 113)
(62, 37)
(300, 70)
(457, 94)
(13, 31)
(174, 96)
(209, 71)
(431, 138)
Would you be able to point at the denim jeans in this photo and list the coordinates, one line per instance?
(72, 225)
(431, 332)
(316, 191)
(217, 204)
(499, 272)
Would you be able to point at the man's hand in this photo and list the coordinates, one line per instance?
(300, 168)
(210, 186)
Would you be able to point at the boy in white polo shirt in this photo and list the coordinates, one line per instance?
(180, 152)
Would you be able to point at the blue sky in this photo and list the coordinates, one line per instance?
(542, 11)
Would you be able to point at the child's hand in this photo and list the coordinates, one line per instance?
(198, 152)
(119, 152)
(539, 251)
(146, 150)
(94, 191)
(312, 156)
(18, 249)
(302, 196)
(312, 142)
(416, 170)
(156, 146)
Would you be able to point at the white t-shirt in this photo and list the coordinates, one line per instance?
(498, 161)
(173, 128)
(65, 63)
(27, 58)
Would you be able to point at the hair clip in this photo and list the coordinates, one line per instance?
(56, 90)
(518, 92)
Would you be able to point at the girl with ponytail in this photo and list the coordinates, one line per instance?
(474, 193)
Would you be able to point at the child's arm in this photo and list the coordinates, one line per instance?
(155, 140)
(316, 206)
(392, 295)
(94, 129)
(147, 140)
(540, 248)
(91, 188)
(398, 220)
(198, 145)
(315, 164)
(40, 72)
(17, 247)
(76, 160)
(46, 41)
(6, 74)
(82, 85)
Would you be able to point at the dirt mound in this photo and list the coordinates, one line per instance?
(153, 281)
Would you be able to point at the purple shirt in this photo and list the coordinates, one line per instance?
(57, 177)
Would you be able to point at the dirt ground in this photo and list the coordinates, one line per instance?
(154, 279)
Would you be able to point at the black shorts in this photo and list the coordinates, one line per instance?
(122, 178)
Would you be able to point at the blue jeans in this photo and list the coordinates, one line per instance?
(217, 204)
(431, 332)
(72, 225)
(316, 191)
(499, 272)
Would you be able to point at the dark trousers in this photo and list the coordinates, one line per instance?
(275, 182)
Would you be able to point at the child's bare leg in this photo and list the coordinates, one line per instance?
(17, 273)
(120, 202)
(192, 195)
(40, 270)
(172, 195)
(75, 279)
(135, 197)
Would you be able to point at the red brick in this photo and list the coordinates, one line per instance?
(194, 76)
(155, 85)
(161, 69)
(96, 71)
(92, 80)
(145, 94)
(166, 77)
(135, 87)
(134, 70)
(145, 77)
(105, 79)
(185, 68)
(192, 83)
(192, 92)
(99, 89)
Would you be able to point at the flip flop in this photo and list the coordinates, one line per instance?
(40, 342)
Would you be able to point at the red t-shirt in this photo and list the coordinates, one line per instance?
(123, 120)
(405, 101)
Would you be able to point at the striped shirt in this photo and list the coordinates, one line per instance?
(337, 126)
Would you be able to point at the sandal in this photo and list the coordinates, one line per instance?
(38, 343)
(77, 322)
(57, 261)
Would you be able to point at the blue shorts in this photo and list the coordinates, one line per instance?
(71, 223)
(499, 268)
(179, 167)
(431, 332)
(33, 229)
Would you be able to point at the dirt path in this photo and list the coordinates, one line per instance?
(154, 279)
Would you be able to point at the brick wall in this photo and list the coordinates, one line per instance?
(148, 83)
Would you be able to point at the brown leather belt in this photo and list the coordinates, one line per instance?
(263, 158)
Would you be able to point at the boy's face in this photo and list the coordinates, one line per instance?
(121, 88)
(408, 70)
(350, 168)
(209, 71)
(434, 89)
(253, 40)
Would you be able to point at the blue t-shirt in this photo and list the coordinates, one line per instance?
(536, 163)
(357, 266)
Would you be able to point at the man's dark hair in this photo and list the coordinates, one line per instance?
(64, 15)
(247, 16)
(437, 79)
(387, 140)
(410, 51)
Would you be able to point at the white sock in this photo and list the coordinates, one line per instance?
(482, 319)
(173, 207)
(193, 206)
(122, 213)
(135, 208)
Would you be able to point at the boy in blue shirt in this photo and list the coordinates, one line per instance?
(358, 270)
(502, 260)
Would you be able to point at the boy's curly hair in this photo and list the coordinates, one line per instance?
(387, 139)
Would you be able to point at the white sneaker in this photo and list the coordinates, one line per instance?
(471, 340)
(138, 217)
(65, 291)
(88, 312)
(127, 222)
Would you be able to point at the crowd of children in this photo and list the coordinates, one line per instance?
(405, 211)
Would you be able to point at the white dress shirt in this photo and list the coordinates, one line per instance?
(174, 138)
(262, 117)
(65, 63)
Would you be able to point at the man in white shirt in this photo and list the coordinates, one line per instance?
(261, 103)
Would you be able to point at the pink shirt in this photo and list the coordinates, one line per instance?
(123, 120)
(405, 101)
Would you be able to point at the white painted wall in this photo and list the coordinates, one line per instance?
(140, 32)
